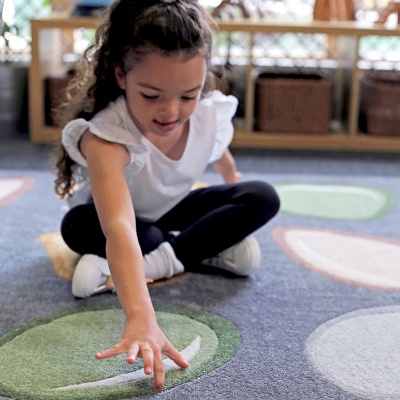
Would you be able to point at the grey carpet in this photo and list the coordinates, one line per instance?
(275, 310)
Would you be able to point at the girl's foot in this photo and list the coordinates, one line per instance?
(241, 259)
(92, 275)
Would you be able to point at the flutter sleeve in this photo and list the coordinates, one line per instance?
(110, 129)
(224, 108)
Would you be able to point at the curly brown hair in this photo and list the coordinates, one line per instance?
(131, 30)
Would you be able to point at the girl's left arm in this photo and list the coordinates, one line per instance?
(226, 167)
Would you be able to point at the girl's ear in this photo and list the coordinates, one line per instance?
(119, 76)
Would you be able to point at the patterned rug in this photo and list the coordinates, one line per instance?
(319, 320)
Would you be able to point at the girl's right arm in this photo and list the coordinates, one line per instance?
(142, 336)
(226, 167)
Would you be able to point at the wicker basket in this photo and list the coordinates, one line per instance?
(293, 103)
(380, 106)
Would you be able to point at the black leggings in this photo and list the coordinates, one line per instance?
(209, 220)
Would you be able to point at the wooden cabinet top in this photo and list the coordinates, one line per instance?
(354, 28)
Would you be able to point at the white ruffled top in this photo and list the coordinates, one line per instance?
(156, 183)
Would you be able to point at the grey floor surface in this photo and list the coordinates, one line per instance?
(275, 310)
(16, 152)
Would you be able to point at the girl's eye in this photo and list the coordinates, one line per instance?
(155, 97)
(186, 98)
(145, 96)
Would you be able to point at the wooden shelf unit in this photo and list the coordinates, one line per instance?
(46, 58)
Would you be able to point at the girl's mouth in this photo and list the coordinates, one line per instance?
(166, 126)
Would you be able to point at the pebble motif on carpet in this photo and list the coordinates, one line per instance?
(36, 363)
(343, 202)
(11, 189)
(350, 353)
(350, 258)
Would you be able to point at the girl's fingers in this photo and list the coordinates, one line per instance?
(112, 352)
(159, 372)
(175, 356)
(132, 353)
(148, 358)
(152, 359)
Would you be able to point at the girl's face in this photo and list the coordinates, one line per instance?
(162, 92)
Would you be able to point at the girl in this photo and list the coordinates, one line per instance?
(145, 129)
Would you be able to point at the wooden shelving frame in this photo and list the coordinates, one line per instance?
(46, 59)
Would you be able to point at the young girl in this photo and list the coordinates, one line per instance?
(145, 129)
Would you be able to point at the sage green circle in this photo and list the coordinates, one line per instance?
(333, 201)
(37, 360)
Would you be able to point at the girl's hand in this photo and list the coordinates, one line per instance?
(226, 167)
(233, 177)
(149, 344)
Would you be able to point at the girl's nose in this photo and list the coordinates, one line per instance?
(170, 108)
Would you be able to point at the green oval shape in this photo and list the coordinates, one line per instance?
(42, 359)
(345, 202)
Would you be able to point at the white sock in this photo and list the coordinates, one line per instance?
(162, 263)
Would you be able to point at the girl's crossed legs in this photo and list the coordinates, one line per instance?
(213, 219)
(209, 220)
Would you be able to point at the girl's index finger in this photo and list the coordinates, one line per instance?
(112, 352)
(132, 353)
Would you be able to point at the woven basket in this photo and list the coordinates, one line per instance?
(293, 103)
(380, 106)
